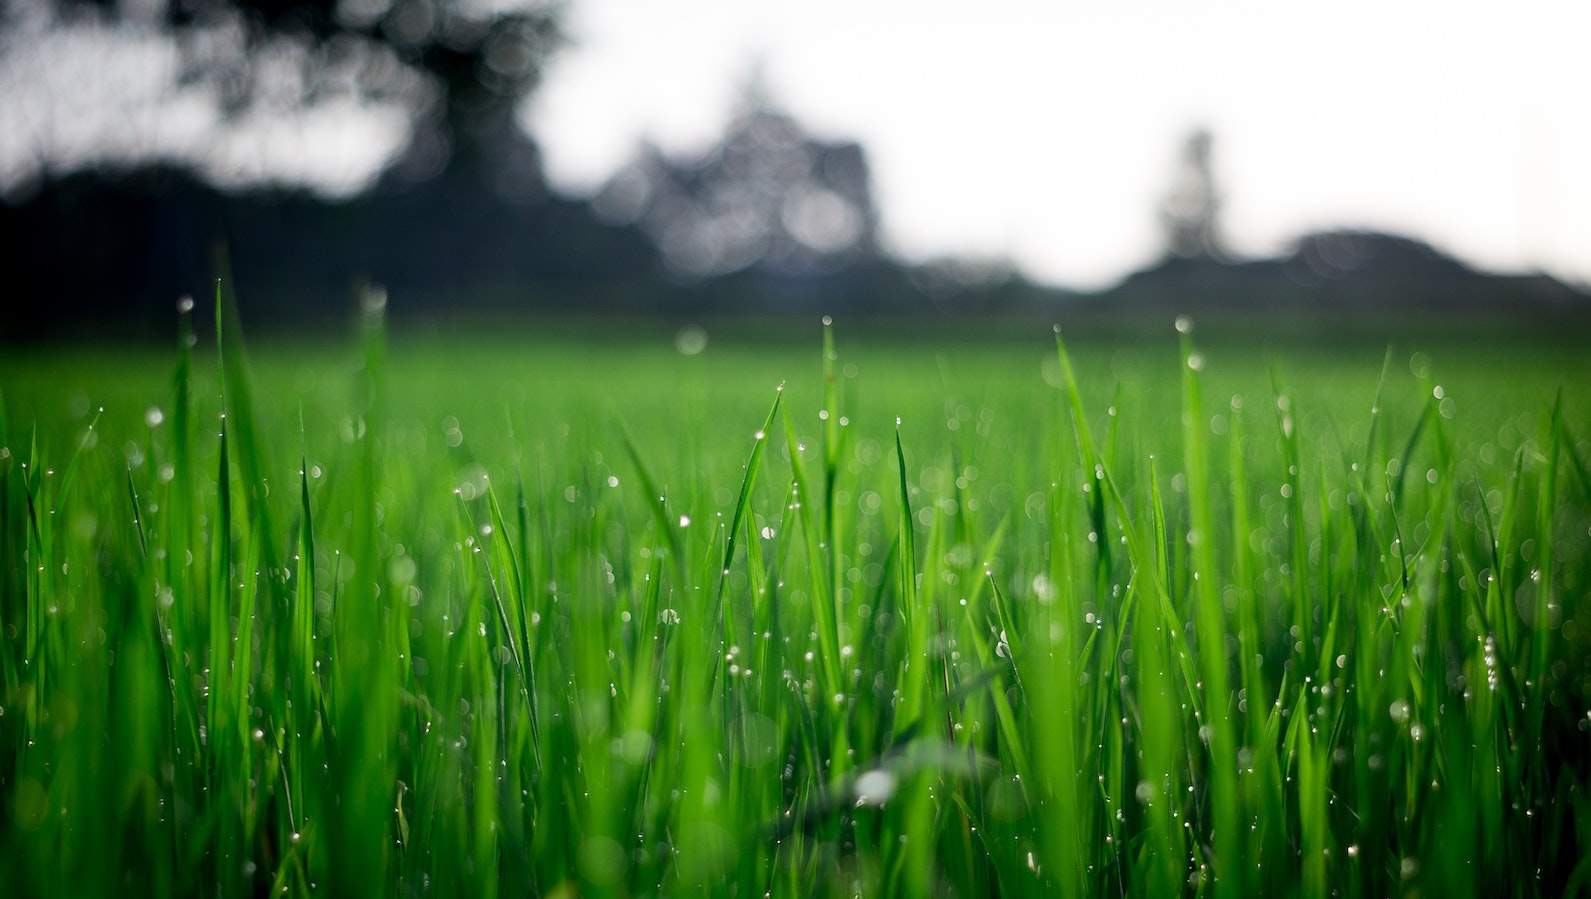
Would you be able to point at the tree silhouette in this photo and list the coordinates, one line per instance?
(769, 196)
(1190, 212)
(454, 72)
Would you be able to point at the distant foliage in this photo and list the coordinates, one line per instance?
(768, 196)
(214, 84)
(1190, 213)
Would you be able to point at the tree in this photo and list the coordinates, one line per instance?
(138, 135)
(451, 73)
(1190, 212)
(769, 197)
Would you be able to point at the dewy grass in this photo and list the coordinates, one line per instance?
(1168, 645)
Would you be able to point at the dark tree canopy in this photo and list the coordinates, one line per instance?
(768, 196)
(457, 69)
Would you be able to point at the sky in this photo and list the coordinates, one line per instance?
(1048, 132)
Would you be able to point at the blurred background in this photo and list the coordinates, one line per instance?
(1350, 166)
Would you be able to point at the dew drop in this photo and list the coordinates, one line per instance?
(875, 787)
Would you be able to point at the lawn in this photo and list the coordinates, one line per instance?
(553, 612)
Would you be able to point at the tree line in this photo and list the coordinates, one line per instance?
(770, 221)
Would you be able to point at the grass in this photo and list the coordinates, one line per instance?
(493, 618)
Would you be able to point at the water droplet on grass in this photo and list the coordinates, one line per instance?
(1399, 710)
(875, 788)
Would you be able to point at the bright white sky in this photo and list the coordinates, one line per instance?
(1047, 131)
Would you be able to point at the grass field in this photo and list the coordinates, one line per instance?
(562, 616)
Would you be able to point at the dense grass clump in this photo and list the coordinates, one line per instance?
(486, 618)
